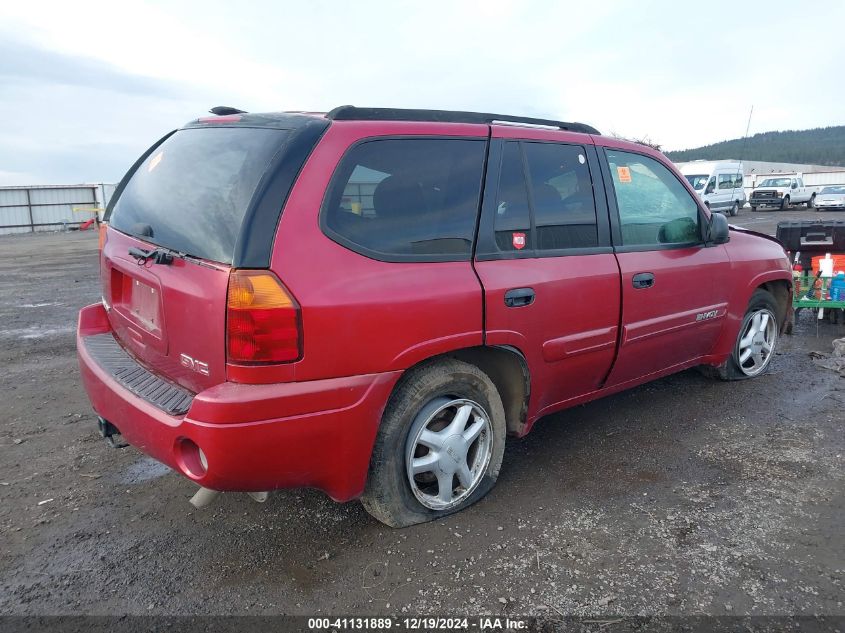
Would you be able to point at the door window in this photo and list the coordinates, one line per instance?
(564, 207)
(407, 199)
(655, 209)
(512, 223)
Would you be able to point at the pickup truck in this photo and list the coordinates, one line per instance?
(781, 192)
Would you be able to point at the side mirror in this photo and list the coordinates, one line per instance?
(718, 231)
(795, 185)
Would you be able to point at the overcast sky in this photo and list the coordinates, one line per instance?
(85, 87)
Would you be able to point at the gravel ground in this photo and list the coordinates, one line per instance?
(685, 496)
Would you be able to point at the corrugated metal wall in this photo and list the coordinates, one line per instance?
(824, 178)
(49, 207)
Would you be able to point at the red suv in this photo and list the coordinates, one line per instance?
(368, 301)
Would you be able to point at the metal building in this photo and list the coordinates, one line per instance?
(50, 207)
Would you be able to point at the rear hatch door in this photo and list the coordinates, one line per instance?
(186, 199)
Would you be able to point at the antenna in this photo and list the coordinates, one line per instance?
(744, 141)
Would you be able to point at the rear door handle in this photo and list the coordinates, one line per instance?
(643, 280)
(518, 297)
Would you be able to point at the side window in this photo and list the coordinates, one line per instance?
(654, 208)
(726, 181)
(564, 207)
(407, 198)
(512, 223)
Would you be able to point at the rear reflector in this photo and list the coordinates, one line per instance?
(262, 320)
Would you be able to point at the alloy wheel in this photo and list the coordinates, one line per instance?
(447, 451)
(756, 344)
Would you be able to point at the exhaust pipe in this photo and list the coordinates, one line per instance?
(203, 497)
(260, 497)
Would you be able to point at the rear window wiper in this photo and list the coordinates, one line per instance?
(165, 257)
(156, 256)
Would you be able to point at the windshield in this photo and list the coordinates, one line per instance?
(834, 190)
(192, 192)
(697, 180)
(776, 182)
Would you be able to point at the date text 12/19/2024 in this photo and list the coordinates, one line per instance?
(482, 623)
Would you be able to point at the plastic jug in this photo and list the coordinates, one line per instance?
(826, 266)
(837, 287)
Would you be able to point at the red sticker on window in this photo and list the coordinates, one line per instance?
(518, 241)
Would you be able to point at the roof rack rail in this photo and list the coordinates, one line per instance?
(352, 113)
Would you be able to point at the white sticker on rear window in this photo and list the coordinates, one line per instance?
(155, 160)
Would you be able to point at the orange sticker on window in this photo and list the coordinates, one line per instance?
(624, 174)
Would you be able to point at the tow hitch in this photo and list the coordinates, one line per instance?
(111, 433)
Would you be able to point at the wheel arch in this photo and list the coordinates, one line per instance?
(507, 369)
(776, 283)
(781, 290)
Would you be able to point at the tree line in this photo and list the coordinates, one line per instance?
(819, 146)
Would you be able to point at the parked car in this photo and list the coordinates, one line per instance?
(831, 198)
(368, 301)
(781, 192)
(718, 183)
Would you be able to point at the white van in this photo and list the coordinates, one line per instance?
(718, 183)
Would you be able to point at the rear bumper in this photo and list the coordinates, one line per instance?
(254, 437)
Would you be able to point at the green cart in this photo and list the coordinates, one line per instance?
(817, 300)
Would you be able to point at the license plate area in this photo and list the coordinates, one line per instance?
(137, 304)
(144, 302)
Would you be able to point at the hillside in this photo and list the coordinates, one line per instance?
(819, 146)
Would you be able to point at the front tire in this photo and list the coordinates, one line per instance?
(440, 445)
(784, 205)
(734, 209)
(757, 339)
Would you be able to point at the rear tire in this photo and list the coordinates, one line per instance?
(401, 484)
(759, 330)
(811, 202)
(753, 209)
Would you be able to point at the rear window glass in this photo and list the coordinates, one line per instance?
(407, 199)
(192, 192)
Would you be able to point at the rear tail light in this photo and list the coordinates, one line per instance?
(262, 319)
